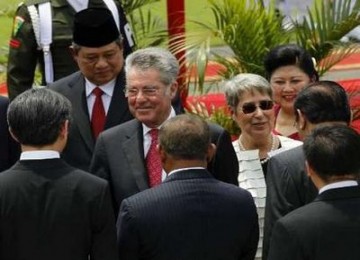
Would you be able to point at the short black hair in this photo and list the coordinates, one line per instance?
(323, 101)
(333, 150)
(290, 54)
(185, 137)
(37, 116)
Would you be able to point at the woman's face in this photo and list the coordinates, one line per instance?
(286, 83)
(260, 122)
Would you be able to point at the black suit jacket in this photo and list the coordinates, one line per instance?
(49, 210)
(80, 145)
(288, 188)
(326, 229)
(190, 215)
(119, 158)
(9, 148)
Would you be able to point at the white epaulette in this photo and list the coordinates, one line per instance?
(42, 25)
(41, 19)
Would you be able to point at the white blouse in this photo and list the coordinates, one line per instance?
(251, 178)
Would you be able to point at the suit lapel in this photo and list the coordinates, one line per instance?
(80, 110)
(118, 110)
(134, 152)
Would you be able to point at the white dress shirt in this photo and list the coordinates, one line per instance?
(339, 184)
(108, 90)
(147, 139)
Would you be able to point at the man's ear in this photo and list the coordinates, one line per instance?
(64, 129)
(309, 170)
(315, 178)
(210, 152)
(173, 89)
(301, 123)
(73, 53)
(12, 135)
(162, 153)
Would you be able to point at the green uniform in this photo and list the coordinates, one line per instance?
(24, 54)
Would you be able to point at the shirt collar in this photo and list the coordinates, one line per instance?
(185, 169)
(108, 88)
(146, 129)
(39, 155)
(340, 184)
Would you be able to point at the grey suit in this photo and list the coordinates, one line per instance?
(119, 158)
(288, 188)
(80, 146)
(49, 210)
(326, 229)
(190, 215)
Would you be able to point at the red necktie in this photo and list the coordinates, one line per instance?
(153, 162)
(98, 113)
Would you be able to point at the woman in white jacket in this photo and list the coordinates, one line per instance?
(249, 98)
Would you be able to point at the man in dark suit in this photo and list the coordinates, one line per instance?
(9, 149)
(327, 228)
(98, 51)
(191, 215)
(121, 152)
(48, 209)
(288, 186)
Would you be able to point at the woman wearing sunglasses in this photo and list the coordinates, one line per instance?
(249, 98)
(289, 68)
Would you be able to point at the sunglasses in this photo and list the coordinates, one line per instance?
(251, 107)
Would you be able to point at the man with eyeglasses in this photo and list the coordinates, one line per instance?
(124, 155)
(97, 90)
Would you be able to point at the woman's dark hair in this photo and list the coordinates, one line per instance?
(290, 54)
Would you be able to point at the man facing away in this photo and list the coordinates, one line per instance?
(327, 228)
(49, 210)
(288, 186)
(191, 215)
(96, 92)
(124, 154)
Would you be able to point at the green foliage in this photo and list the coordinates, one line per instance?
(148, 29)
(320, 34)
(249, 29)
(216, 115)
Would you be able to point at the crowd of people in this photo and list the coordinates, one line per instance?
(100, 165)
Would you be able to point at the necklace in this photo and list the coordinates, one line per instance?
(274, 146)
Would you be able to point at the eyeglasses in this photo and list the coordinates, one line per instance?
(250, 107)
(146, 91)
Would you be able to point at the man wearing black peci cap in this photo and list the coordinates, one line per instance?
(97, 90)
(41, 36)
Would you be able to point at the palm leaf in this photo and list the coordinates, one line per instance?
(321, 32)
(148, 29)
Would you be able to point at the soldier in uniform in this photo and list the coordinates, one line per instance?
(27, 50)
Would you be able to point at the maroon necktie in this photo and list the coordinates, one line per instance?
(98, 113)
(153, 162)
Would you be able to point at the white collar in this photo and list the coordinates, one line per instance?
(39, 155)
(339, 184)
(78, 5)
(108, 88)
(185, 169)
(146, 129)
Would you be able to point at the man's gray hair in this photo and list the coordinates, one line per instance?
(155, 58)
